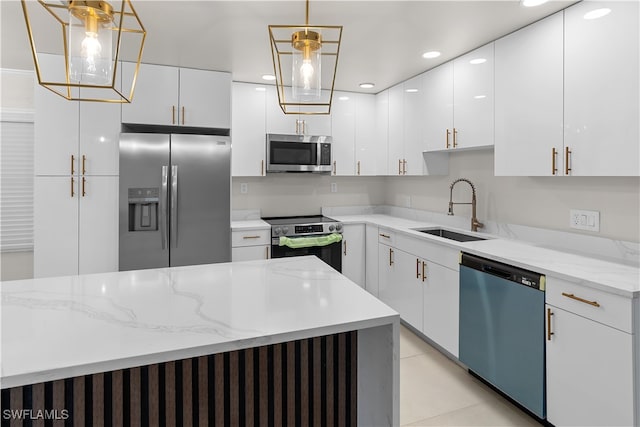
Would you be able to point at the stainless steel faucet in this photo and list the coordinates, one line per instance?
(474, 221)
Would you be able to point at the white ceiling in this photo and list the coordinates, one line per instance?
(383, 41)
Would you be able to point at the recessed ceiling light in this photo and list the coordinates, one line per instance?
(366, 85)
(598, 13)
(431, 54)
(532, 3)
(343, 98)
(268, 77)
(411, 90)
(477, 61)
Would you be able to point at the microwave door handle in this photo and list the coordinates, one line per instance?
(163, 207)
(174, 206)
(319, 154)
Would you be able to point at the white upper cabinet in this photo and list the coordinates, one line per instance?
(395, 150)
(99, 134)
(601, 87)
(529, 100)
(178, 96)
(248, 129)
(382, 130)
(278, 122)
(413, 119)
(367, 151)
(343, 133)
(458, 102)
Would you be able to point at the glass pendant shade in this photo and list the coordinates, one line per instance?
(306, 74)
(90, 47)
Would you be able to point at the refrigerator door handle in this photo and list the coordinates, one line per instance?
(174, 206)
(163, 206)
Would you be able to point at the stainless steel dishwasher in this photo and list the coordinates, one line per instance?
(502, 329)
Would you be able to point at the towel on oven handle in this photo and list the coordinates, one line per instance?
(309, 241)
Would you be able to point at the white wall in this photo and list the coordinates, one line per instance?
(533, 201)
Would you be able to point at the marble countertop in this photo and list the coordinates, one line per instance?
(62, 327)
(609, 276)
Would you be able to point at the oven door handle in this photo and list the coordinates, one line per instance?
(309, 241)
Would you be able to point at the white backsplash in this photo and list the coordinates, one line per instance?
(599, 247)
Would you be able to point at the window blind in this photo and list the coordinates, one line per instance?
(16, 181)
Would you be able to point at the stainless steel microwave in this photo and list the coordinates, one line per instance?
(298, 153)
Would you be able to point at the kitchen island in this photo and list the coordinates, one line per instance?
(283, 341)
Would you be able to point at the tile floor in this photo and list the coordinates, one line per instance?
(435, 391)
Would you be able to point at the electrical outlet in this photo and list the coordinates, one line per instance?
(244, 188)
(584, 220)
(334, 187)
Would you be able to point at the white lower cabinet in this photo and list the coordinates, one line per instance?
(250, 253)
(75, 233)
(441, 296)
(249, 245)
(353, 258)
(371, 259)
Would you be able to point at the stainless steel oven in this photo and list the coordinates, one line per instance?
(307, 235)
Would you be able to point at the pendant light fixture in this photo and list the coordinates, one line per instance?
(305, 60)
(93, 36)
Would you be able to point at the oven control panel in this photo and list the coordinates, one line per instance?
(300, 230)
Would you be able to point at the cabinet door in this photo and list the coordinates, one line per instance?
(473, 98)
(589, 372)
(353, 253)
(343, 132)
(438, 107)
(98, 224)
(99, 136)
(250, 253)
(205, 98)
(382, 132)
(371, 259)
(395, 152)
(277, 121)
(55, 226)
(55, 127)
(366, 147)
(155, 100)
(441, 306)
(413, 118)
(601, 88)
(248, 130)
(529, 99)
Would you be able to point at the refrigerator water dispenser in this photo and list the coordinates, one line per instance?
(143, 209)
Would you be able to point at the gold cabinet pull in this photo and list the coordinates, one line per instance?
(183, 115)
(358, 167)
(84, 181)
(424, 276)
(399, 166)
(73, 159)
(554, 155)
(572, 296)
(345, 248)
(262, 167)
(448, 133)
(549, 333)
(173, 114)
(334, 167)
(251, 237)
(390, 256)
(455, 137)
(266, 252)
(386, 236)
(404, 166)
(73, 182)
(567, 154)
(84, 164)
(417, 268)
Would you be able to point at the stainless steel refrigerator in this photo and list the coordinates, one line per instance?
(175, 200)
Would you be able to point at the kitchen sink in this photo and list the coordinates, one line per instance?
(447, 234)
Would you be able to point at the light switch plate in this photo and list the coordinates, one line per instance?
(244, 188)
(334, 187)
(584, 220)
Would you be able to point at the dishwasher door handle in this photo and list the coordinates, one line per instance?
(496, 271)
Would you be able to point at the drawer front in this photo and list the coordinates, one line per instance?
(250, 238)
(386, 236)
(603, 307)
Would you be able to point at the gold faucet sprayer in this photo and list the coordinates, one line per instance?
(474, 221)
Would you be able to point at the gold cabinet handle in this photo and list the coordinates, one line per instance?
(567, 154)
(183, 115)
(251, 237)
(262, 167)
(424, 276)
(84, 181)
(173, 114)
(572, 296)
(84, 164)
(549, 333)
(404, 166)
(266, 252)
(390, 256)
(417, 268)
(399, 166)
(358, 167)
(455, 137)
(73, 182)
(345, 248)
(334, 167)
(554, 155)
(386, 236)
(448, 133)
(73, 159)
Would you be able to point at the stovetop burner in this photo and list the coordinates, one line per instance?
(302, 225)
